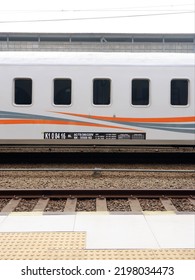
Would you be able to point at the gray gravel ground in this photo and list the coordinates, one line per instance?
(183, 205)
(118, 205)
(3, 202)
(113, 205)
(86, 205)
(56, 205)
(106, 180)
(151, 205)
(26, 205)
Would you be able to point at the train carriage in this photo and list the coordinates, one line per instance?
(88, 98)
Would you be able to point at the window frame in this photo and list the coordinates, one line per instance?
(188, 93)
(53, 92)
(14, 91)
(110, 92)
(149, 94)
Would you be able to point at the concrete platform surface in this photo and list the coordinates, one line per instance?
(108, 231)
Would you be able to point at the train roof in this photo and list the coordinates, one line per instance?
(96, 58)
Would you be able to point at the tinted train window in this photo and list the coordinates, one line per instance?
(62, 91)
(140, 92)
(23, 91)
(101, 91)
(179, 92)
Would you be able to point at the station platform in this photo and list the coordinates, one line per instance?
(99, 235)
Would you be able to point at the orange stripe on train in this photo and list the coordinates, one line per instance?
(31, 121)
(143, 120)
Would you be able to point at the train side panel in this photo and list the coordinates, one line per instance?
(82, 122)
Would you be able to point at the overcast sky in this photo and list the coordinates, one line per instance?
(103, 16)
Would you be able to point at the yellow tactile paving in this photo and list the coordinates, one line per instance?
(187, 254)
(147, 254)
(28, 241)
(175, 254)
(71, 246)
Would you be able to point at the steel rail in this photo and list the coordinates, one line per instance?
(146, 149)
(98, 193)
(95, 170)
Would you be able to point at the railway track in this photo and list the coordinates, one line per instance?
(60, 200)
(106, 176)
(97, 170)
(94, 148)
(97, 189)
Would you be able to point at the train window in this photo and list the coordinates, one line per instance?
(179, 92)
(23, 91)
(140, 92)
(101, 91)
(62, 91)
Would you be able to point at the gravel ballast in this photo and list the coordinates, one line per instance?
(102, 180)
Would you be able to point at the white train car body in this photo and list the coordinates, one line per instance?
(144, 101)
